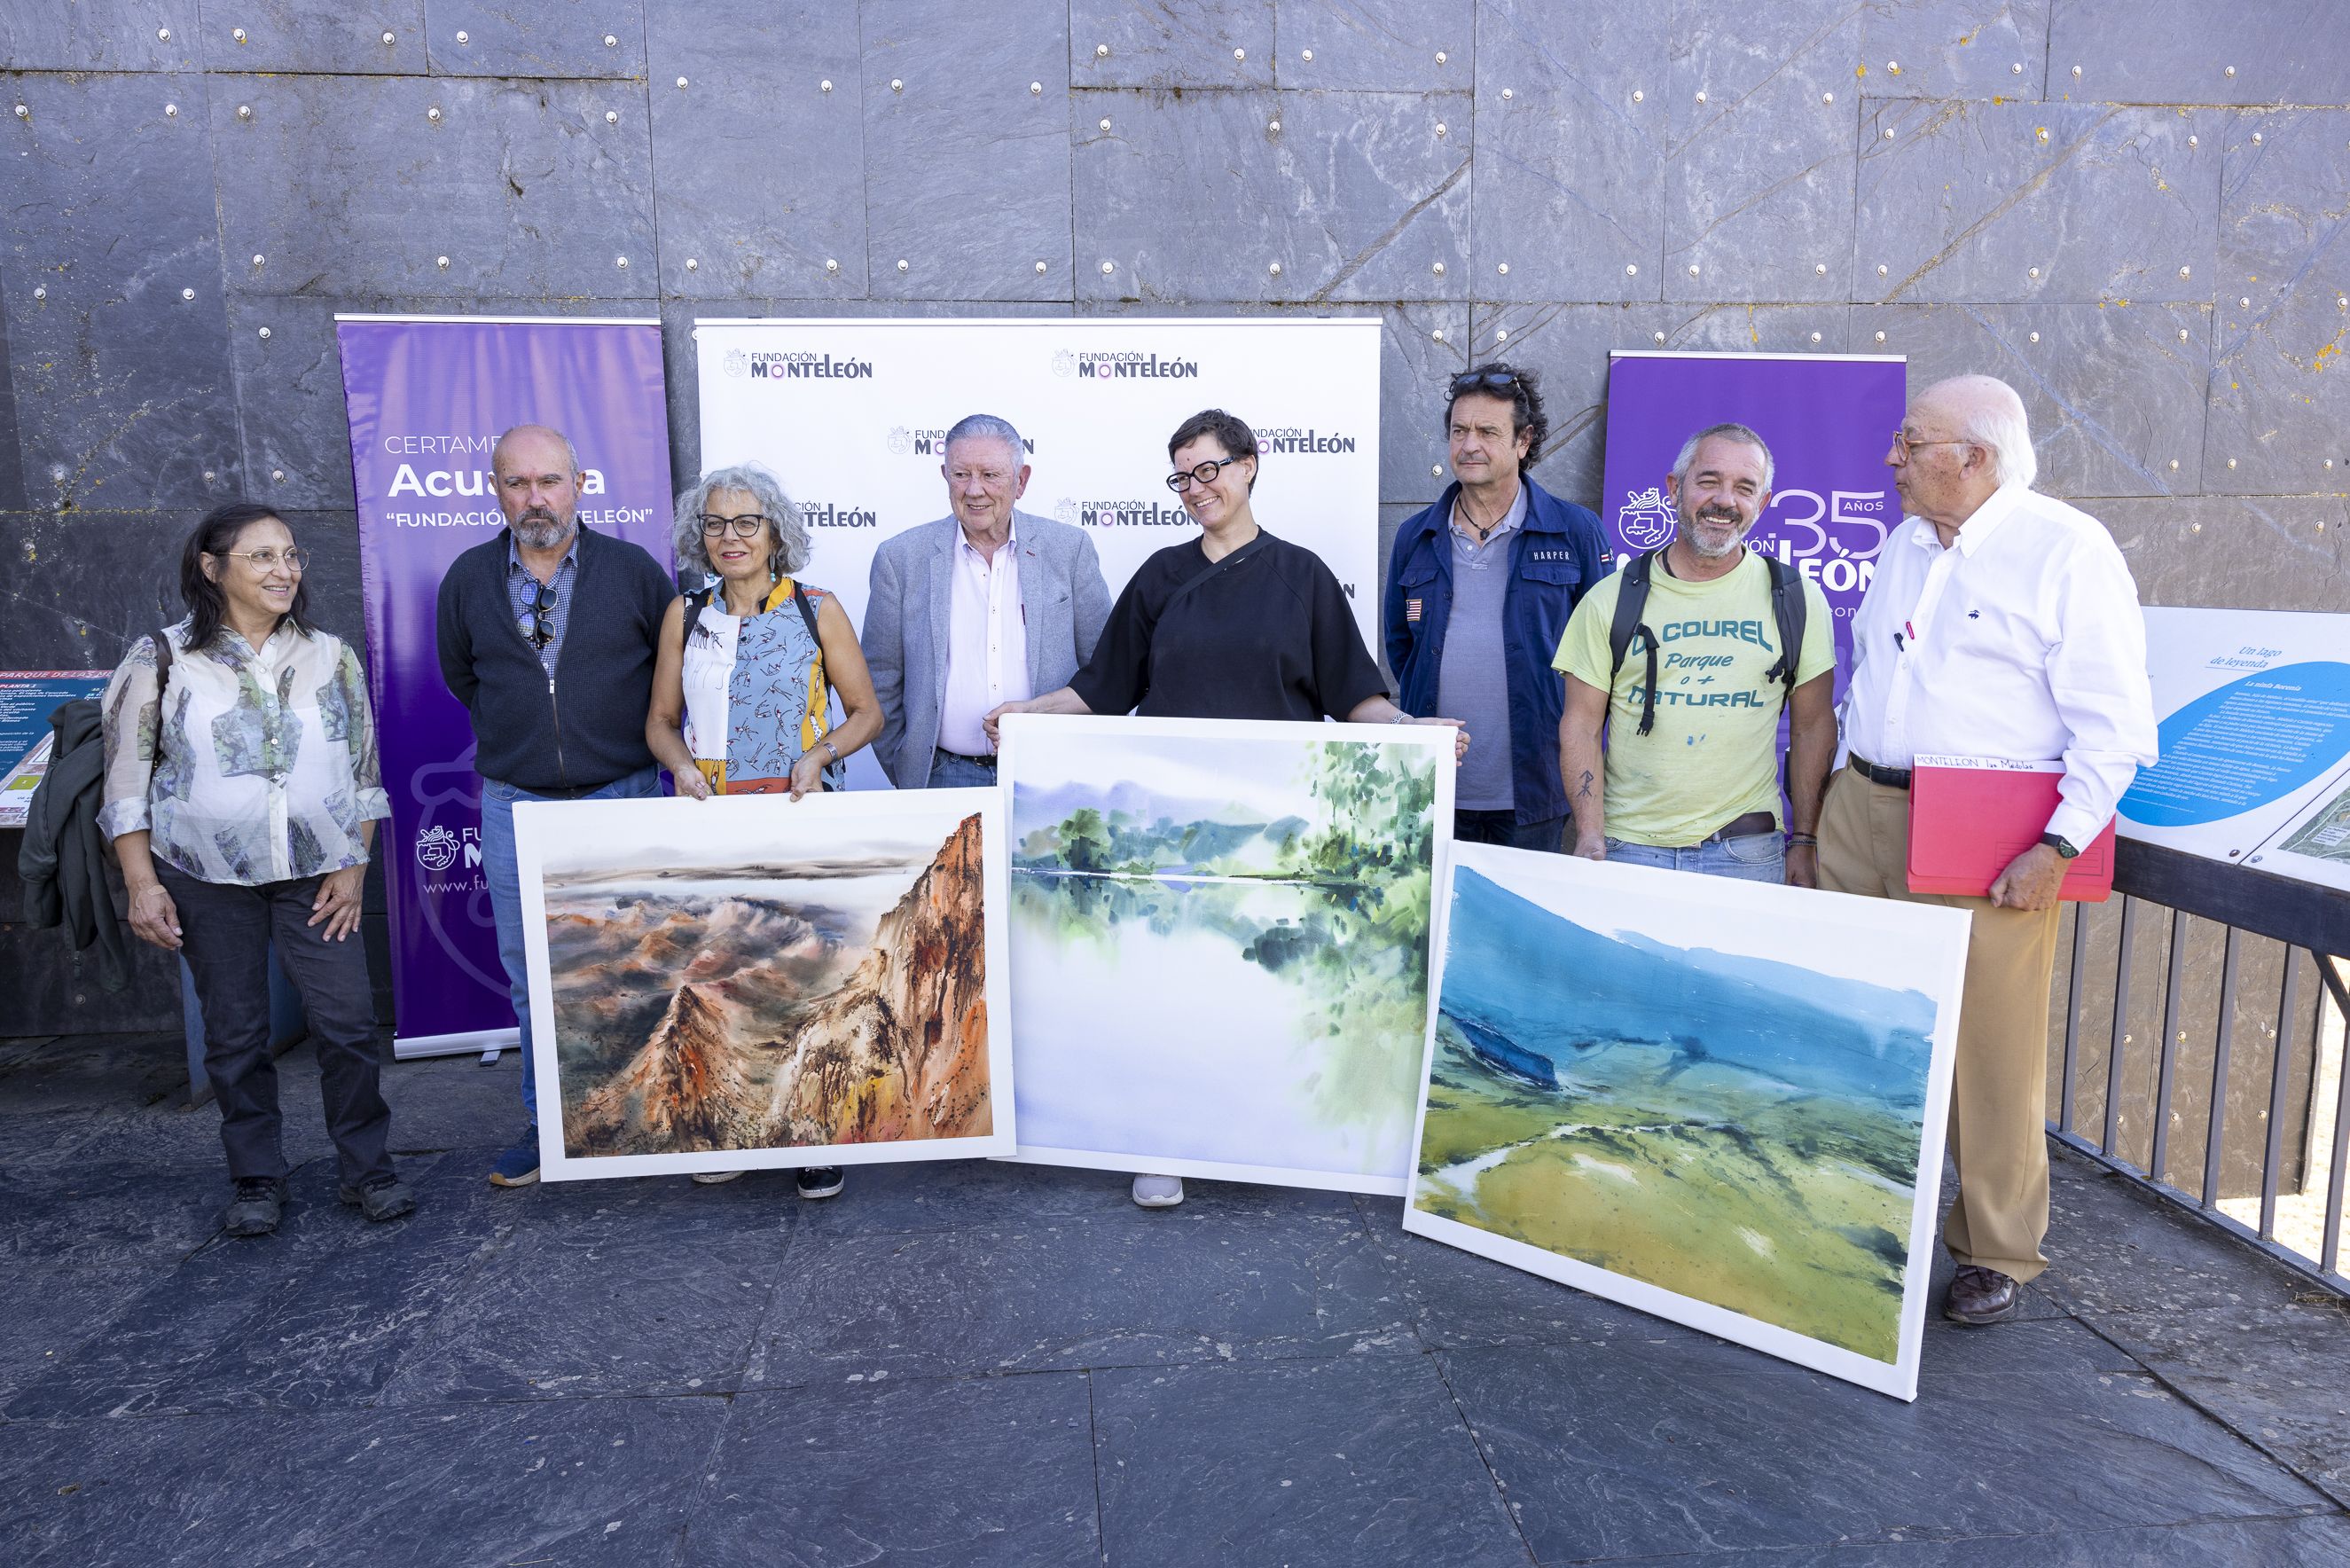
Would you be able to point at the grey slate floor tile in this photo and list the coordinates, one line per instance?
(1355, 1461)
(811, 1478)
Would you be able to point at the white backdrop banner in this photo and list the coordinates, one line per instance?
(851, 414)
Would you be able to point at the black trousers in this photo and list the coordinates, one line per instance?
(1503, 827)
(226, 934)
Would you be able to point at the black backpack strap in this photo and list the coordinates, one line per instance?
(1788, 609)
(163, 656)
(807, 614)
(1631, 601)
(695, 603)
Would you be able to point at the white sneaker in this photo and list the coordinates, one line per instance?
(713, 1177)
(1158, 1192)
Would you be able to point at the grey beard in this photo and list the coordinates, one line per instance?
(541, 535)
(1705, 552)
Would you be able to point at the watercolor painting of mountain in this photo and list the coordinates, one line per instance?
(1220, 944)
(754, 981)
(1720, 1102)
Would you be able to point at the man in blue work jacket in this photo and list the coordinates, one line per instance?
(1480, 587)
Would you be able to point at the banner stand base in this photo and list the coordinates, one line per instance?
(489, 1042)
(490, 1057)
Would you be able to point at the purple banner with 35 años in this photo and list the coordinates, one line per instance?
(427, 397)
(1828, 420)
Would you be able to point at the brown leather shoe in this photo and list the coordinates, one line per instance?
(1980, 1296)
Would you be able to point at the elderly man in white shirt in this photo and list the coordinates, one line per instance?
(2001, 623)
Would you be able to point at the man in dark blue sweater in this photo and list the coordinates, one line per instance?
(547, 636)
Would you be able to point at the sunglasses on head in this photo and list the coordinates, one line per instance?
(1484, 381)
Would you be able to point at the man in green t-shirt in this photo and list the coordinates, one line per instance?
(1699, 792)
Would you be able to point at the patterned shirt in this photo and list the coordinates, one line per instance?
(260, 768)
(522, 591)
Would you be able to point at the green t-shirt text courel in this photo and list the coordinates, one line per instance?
(1712, 754)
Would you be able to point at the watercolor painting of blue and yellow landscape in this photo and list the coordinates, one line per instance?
(1713, 1100)
(1220, 944)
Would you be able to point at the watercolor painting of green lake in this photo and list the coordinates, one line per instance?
(1718, 1101)
(1220, 944)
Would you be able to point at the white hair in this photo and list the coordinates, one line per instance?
(1992, 417)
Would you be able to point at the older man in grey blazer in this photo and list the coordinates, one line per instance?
(989, 605)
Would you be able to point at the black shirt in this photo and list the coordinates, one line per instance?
(1264, 633)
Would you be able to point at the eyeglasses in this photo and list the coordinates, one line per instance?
(1479, 381)
(744, 527)
(542, 608)
(1903, 446)
(1204, 473)
(293, 558)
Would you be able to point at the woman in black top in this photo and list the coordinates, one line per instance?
(1235, 624)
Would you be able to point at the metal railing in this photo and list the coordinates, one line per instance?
(2243, 969)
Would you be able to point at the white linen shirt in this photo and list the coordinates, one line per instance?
(2022, 640)
(987, 644)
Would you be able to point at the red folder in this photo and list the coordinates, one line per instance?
(1969, 816)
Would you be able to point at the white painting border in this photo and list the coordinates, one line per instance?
(534, 820)
(1536, 877)
(1434, 737)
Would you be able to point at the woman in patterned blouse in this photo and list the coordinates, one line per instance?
(242, 793)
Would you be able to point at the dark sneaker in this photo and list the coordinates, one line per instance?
(1980, 1296)
(381, 1198)
(518, 1167)
(820, 1182)
(255, 1210)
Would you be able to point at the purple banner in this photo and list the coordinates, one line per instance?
(427, 397)
(1828, 422)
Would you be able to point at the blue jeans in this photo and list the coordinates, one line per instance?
(952, 770)
(1756, 858)
(505, 897)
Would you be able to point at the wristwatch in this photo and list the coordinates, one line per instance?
(2063, 846)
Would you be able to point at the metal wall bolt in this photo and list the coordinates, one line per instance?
(264, 332)
(2182, 335)
(1273, 128)
(1888, 133)
(825, 86)
(1507, 95)
(2342, 302)
(620, 262)
(210, 477)
(2016, 69)
(2244, 303)
(2036, 337)
(2194, 142)
(163, 35)
(1692, 269)
(2174, 465)
(1820, 268)
(611, 117)
(1700, 97)
(2256, 139)
(1440, 127)
(431, 114)
(463, 36)
(1815, 337)
(611, 42)
(2076, 73)
(692, 265)
(1305, 55)
(831, 265)
(1631, 269)
(1828, 97)
(1659, 337)
(896, 84)
(40, 294)
(2232, 463)
(390, 39)
(680, 81)
(1036, 87)
(1502, 334)
(1436, 471)
(1504, 269)
(1439, 56)
(258, 258)
(238, 34)
(1101, 51)
(244, 111)
(2035, 272)
(1105, 124)
(1880, 269)
(1274, 269)
(187, 294)
(1637, 95)
(1108, 267)
(1439, 269)
(1238, 55)
(277, 475)
(2187, 271)
(24, 113)
(1040, 269)
(2232, 70)
(171, 111)
(441, 261)
(1880, 336)
(1437, 334)
(903, 265)
(2191, 528)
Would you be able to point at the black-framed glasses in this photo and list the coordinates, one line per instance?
(744, 527)
(1503, 381)
(542, 613)
(293, 558)
(1204, 473)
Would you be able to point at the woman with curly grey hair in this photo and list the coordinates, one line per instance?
(745, 669)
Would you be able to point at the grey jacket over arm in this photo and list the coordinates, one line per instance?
(909, 616)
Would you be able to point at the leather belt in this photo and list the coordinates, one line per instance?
(1891, 778)
(975, 762)
(1751, 824)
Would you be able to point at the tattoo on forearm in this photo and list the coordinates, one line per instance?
(1583, 791)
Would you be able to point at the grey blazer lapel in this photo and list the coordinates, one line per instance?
(942, 611)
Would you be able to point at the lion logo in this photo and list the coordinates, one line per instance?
(1647, 518)
(737, 363)
(436, 849)
(1067, 511)
(1065, 363)
(902, 440)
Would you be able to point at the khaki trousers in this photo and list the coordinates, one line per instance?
(1999, 1093)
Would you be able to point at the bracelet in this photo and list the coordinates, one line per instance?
(1400, 718)
(1801, 840)
(833, 748)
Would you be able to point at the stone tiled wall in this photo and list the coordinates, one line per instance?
(2134, 210)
